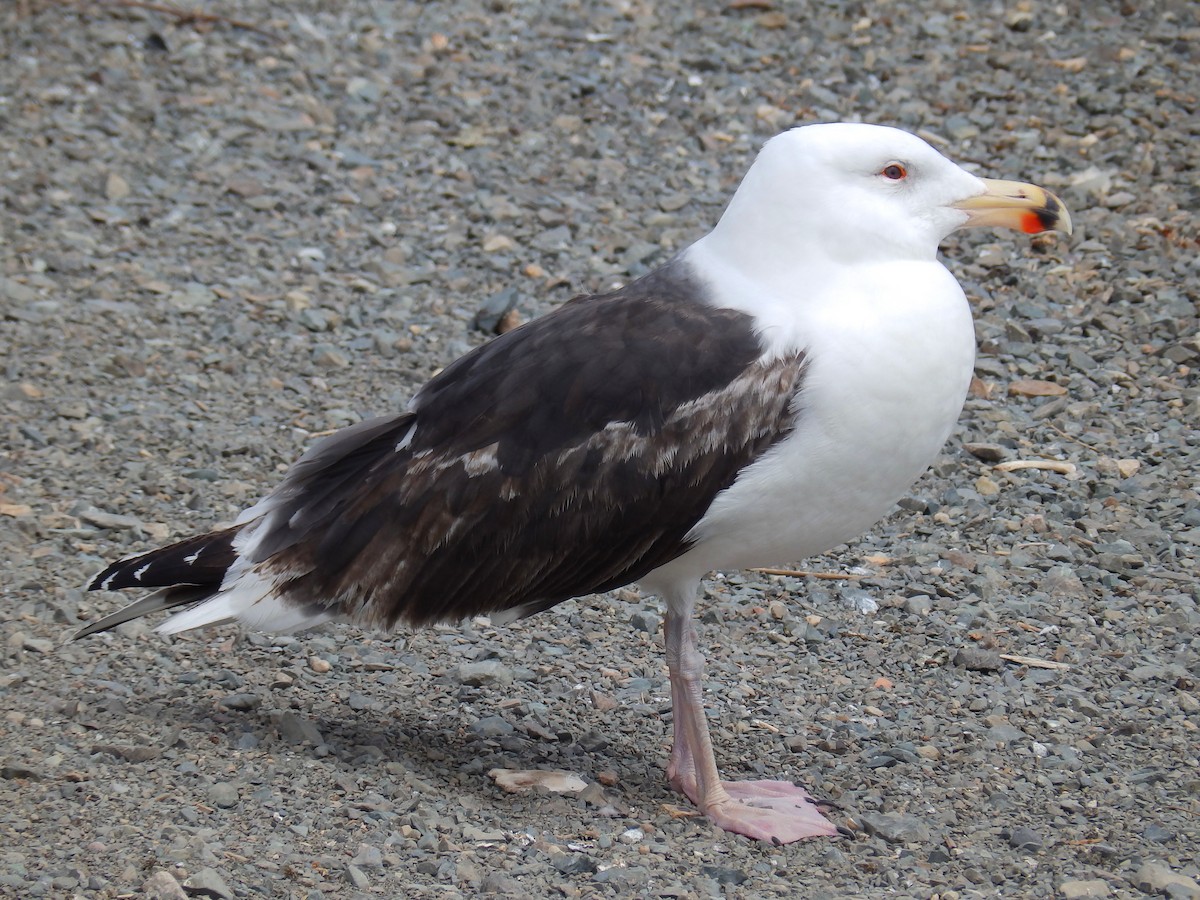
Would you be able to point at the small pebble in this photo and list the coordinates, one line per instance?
(646, 621)
(357, 877)
(1025, 839)
(977, 659)
(491, 727)
(368, 857)
(163, 886)
(224, 795)
(896, 828)
(1156, 877)
(208, 883)
(1082, 890)
(489, 671)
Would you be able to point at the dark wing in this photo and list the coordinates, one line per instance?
(569, 456)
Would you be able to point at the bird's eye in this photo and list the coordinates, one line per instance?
(894, 171)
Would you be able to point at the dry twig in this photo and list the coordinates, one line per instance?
(1033, 662)
(798, 573)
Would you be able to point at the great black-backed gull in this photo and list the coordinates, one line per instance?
(764, 396)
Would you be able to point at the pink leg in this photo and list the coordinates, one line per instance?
(680, 766)
(775, 811)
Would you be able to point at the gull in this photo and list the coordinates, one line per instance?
(764, 396)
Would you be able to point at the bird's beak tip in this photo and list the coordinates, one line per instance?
(1017, 205)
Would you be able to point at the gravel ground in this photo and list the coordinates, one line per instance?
(219, 242)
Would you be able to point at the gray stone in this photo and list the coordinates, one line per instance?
(358, 877)
(363, 89)
(918, 605)
(494, 308)
(977, 659)
(1156, 833)
(208, 883)
(318, 319)
(193, 297)
(368, 857)
(241, 701)
(102, 519)
(116, 187)
(135, 753)
(16, 292)
(1061, 581)
(328, 356)
(593, 741)
(1025, 839)
(1082, 890)
(490, 727)
(295, 729)
(488, 671)
(499, 883)
(1086, 706)
(163, 886)
(724, 875)
(1006, 733)
(623, 876)
(896, 828)
(224, 795)
(645, 620)
(1158, 878)
(674, 202)
(475, 833)
(574, 863)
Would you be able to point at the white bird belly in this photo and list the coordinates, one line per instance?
(890, 361)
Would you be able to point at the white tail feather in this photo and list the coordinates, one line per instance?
(250, 600)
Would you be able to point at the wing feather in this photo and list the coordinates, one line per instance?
(567, 457)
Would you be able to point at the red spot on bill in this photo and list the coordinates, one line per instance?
(1033, 223)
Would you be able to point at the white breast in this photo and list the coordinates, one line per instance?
(891, 351)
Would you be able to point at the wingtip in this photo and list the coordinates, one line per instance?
(104, 623)
(162, 599)
(85, 631)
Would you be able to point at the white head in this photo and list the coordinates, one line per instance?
(850, 193)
